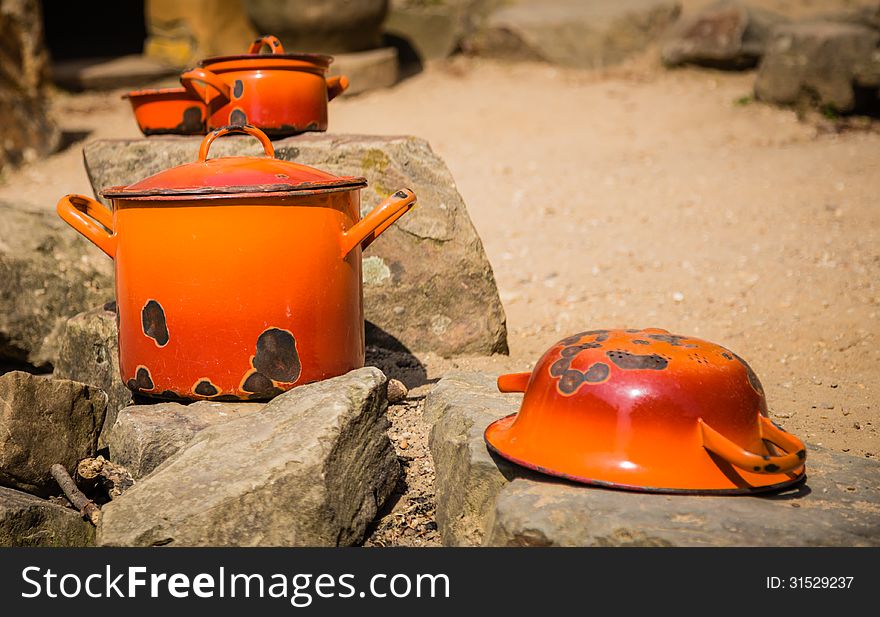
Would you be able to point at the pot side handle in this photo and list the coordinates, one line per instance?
(189, 78)
(377, 221)
(514, 382)
(336, 85)
(81, 213)
(794, 457)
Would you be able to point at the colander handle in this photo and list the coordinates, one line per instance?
(794, 457)
(514, 382)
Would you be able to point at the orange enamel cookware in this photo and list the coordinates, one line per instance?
(236, 277)
(650, 411)
(281, 94)
(168, 111)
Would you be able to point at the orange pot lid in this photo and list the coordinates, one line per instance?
(234, 175)
(276, 58)
(650, 411)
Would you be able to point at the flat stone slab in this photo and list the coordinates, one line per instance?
(427, 282)
(484, 500)
(109, 73)
(310, 469)
(144, 436)
(26, 520)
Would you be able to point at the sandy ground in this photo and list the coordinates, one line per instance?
(634, 197)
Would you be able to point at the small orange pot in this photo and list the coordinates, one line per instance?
(281, 94)
(169, 111)
(236, 277)
(647, 410)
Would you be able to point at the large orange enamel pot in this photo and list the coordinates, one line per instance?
(168, 111)
(650, 411)
(236, 277)
(281, 94)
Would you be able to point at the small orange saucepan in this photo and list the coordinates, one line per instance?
(647, 410)
(281, 94)
(168, 111)
(236, 277)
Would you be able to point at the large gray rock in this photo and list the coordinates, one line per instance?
(865, 15)
(329, 26)
(27, 131)
(427, 282)
(367, 70)
(572, 32)
(828, 64)
(728, 35)
(89, 353)
(435, 29)
(509, 506)
(144, 436)
(311, 469)
(26, 520)
(47, 274)
(43, 422)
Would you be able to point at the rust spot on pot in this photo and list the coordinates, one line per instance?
(226, 398)
(257, 382)
(237, 118)
(570, 381)
(204, 387)
(632, 361)
(153, 322)
(276, 356)
(559, 367)
(673, 339)
(142, 380)
(597, 373)
(191, 122)
(753, 378)
(170, 394)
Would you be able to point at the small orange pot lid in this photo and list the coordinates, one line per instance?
(647, 410)
(275, 58)
(234, 175)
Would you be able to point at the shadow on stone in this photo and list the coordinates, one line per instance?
(387, 353)
(71, 138)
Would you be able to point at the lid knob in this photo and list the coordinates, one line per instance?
(269, 41)
(244, 128)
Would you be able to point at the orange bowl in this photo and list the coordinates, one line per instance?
(168, 111)
(647, 410)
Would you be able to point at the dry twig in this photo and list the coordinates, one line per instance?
(85, 505)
